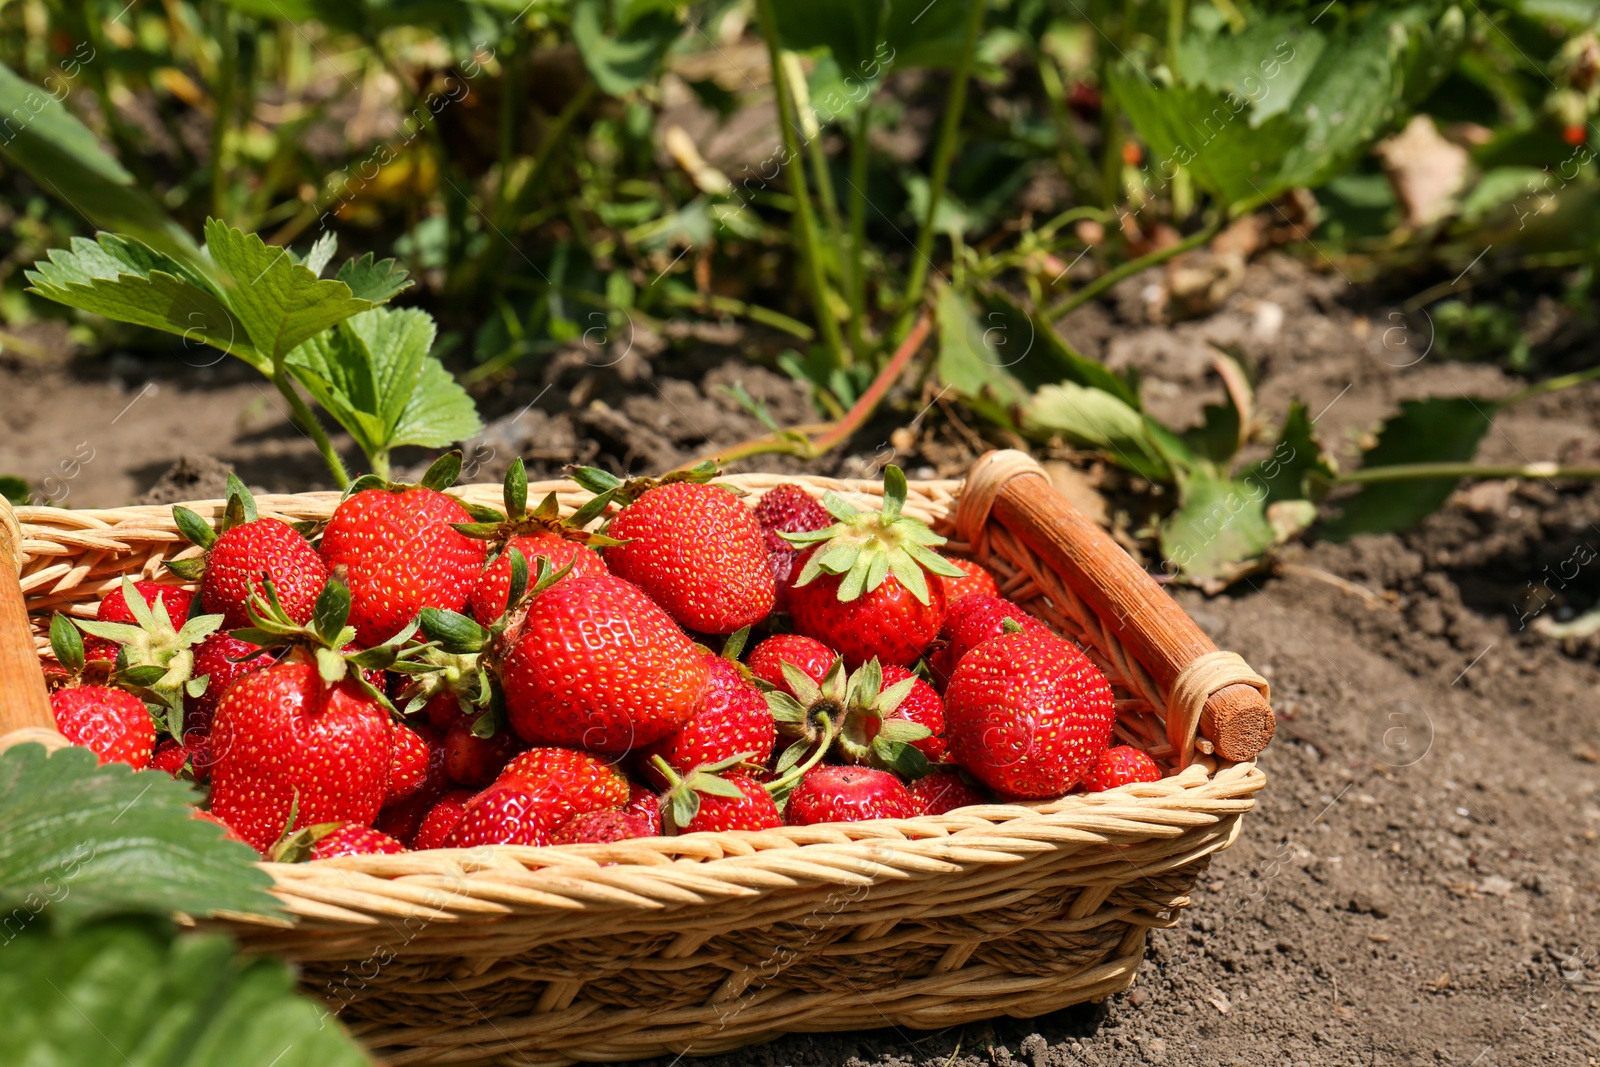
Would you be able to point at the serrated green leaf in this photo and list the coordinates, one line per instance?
(622, 42)
(1298, 468)
(1098, 419)
(377, 281)
(971, 361)
(92, 841)
(129, 988)
(1218, 532)
(316, 260)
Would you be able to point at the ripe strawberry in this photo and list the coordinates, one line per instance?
(732, 718)
(787, 508)
(353, 839)
(864, 586)
(284, 739)
(603, 827)
(597, 665)
(849, 794)
(221, 658)
(170, 756)
(698, 551)
(114, 608)
(921, 706)
(441, 819)
(242, 554)
(408, 762)
(1027, 714)
(976, 580)
(114, 724)
(1120, 765)
(401, 819)
(476, 761)
(643, 803)
(946, 790)
(535, 795)
(807, 653)
(488, 598)
(443, 710)
(970, 623)
(714, 797)
(402, 553)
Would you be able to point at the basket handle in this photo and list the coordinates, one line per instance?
(1210, 691)
(23, 701)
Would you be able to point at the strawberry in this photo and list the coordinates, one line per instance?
(476, 761)
(284, 741)
(603, 827)
(976, 580)
(644, 803)
(114, 608)
(441, 819)
(597, 665)
(221, 659)
(408, 762)
(892, 727)
(973, 621)
(537, 533)
(732, 718)
(945, 790)
(114, 724)
(1027, 713)
(696, 549)
(401, 819)
(787, 508)
(1120, 765)
(713, 798)
(402, 553)
(921, 706)
(443, 710)
(849, 794)
(863, 585)
(170, 756)
(536, 793)
(807, 653)
(353, 839)
(240, 550)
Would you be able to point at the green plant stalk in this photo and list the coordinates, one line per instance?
(1551, 385)
(508, 119)
(1111, 277)
(307, 420)
(756, 313)
(1076, 162)
(1405, 472)
(955, 104)
(1175, 13)
(826, 324)
(857, 295)
(222, 103)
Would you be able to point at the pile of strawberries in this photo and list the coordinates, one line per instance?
(423, 673)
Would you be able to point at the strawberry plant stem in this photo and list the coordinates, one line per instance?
(857, 294)
(954, 105)
(1551, 385)
(307, 421)
(1400, 472)
(804, 219)
(1111, 277)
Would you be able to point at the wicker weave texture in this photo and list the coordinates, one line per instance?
(707, 942)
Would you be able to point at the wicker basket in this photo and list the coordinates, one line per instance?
(703, 943)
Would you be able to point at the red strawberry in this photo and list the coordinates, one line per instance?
(441, 819)
(643, 802)
(588, 782)
(353, 839)
(221, 658)
(114, 724)
(476, 761)
(699, 552)
(849, 794)
(970, 623)
(170, 756)
(731, 718)
(888, 623)
(408, 762)
(536, 793)
(1120, 765)
(402, 555)
(976, 580)
(114, 608)
(788, 508)
(1027, 714)
(807, 653)
(283, 739)
(603, 827)
(401, 819)
(946, 790)
(710, 803)
(443, 709)
(242, 554)
(921, 706)
(598, 665)
(488, 599)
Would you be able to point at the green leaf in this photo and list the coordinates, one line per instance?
(624, 52)
(1038, 355)
(1298, 468)
(373, 374)
(44, 139)
(376, 280)
(195, 530)
(1435, 430)
(332, 608)
(914, 33)
(79, 841)
(15, 490)
(1219, 530)
(129, 991)
(1098, 419)
(974, 360)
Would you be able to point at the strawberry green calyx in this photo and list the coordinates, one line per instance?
(295, 846)
(441, 475)
(866, 547)
(681, 802)
(156, 662)
(455, 633)
(520, 521)
(851, 712)
(626, 491)
(239, 509)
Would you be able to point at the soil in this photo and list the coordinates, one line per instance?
(1419, 882)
